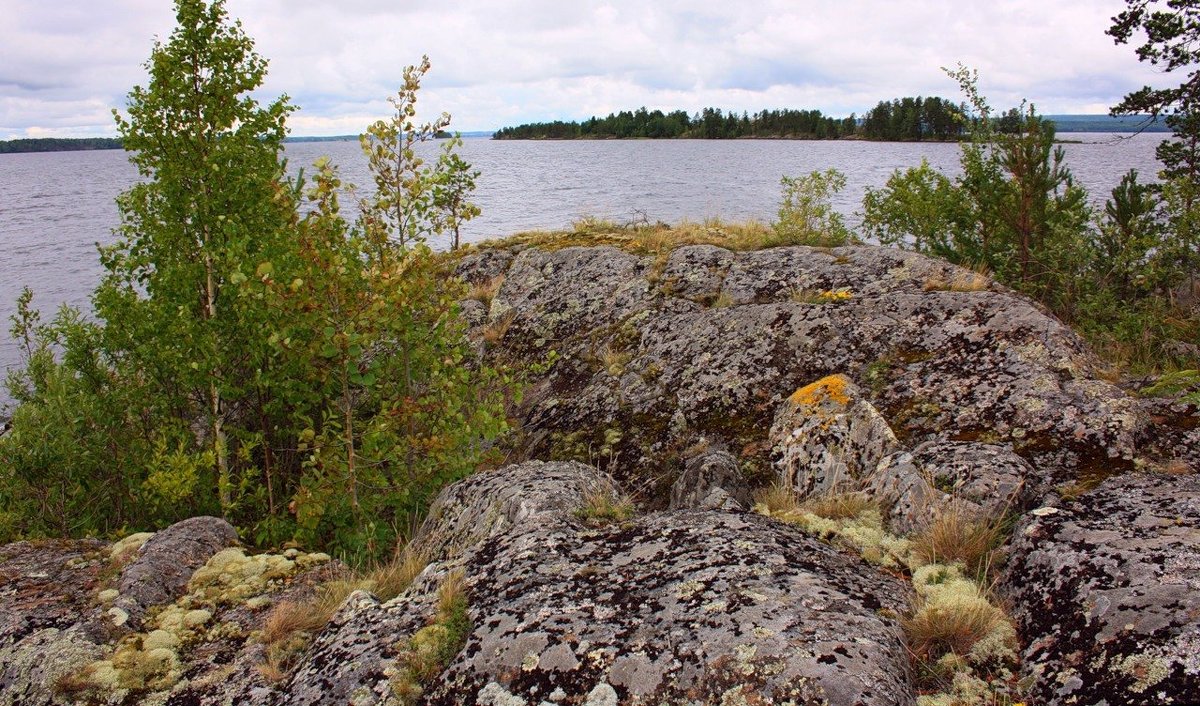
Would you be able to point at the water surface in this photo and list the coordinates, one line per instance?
(55, 207)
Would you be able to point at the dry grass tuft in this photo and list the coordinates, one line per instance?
(275, 669)
(839, 506)
(955, 537)
(648, 239)
(935, 630)
(722, 301)
(389, 580)
(1177, 467)
(778, 498)
(290, 617)
(495, 331)
(613, 360)
(291, 624)
(603, 504)
(450, 593)
(485, 291)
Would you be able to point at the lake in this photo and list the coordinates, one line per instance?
(55, 207)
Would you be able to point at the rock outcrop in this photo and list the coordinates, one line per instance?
(657, 356)
(688, 381)
(1106, 591)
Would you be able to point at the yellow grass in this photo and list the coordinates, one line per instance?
(955, 537)
(291, 624)
(648, 239)
(602, 505)
(959, 281)
(934, 630)
(485, 291)
(839, 506)
(777, 498)
(496, 330)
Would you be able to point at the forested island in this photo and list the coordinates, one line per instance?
(909, 119)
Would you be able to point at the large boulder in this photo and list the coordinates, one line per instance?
(828, 438)
(706, 607)
(1106, 592)
(656, 355)
(165, 563)
(696, 607)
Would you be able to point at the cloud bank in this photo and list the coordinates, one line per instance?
(65, 65)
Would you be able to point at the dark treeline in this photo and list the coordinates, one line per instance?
(899, 119)
(59, 144)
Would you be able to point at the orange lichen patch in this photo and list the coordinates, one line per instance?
(830, 387)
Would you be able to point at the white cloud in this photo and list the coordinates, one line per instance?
(63, 65)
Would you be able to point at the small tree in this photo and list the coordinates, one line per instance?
(918, 209)
(452, 187)
(1171, 44)
(306, 377)
(806, 214)
(406, 408)
(403, 201)
(212, 202)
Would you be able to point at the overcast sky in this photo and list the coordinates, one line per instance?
(64, 64)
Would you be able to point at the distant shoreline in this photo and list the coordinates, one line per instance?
(89, 144)
(1063, 123)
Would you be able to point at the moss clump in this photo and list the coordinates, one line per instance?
(955, 536)
(125, 548)
(233, 577)
(151, 661)
(847, 520)
(429, 651)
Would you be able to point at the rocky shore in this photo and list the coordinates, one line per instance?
(689, 382)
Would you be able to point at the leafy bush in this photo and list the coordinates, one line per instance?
(1016, 212)
(303, 376)
(806, 215)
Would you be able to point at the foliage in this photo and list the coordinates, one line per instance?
(1016, 212)
(453, 183)
(916, 209)
(403, 199)
(1170, 44)
(306, 377)
(1170, 33)
(806, 214)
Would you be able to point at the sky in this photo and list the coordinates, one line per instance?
(66, 64)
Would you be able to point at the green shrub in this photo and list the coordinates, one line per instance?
(806, 215)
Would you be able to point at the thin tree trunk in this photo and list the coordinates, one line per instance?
(220, 445)
(348, 431)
